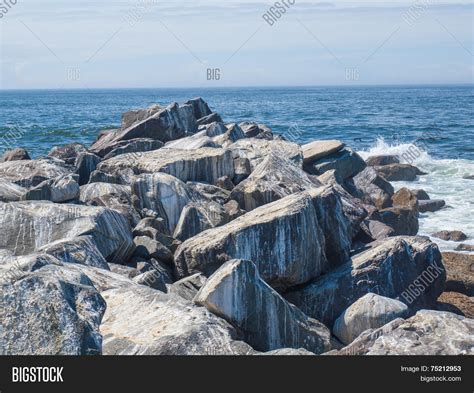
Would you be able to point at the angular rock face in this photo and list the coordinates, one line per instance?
(460, 273)
(28, 226)
(254, 130)
(163, 194)
(369, 312)
(233, 134)
(456, 303)
(213, 129)
(17, 154)
(188, 287)
(50, 311)
(347, 163)
(30, 173)
(98, 191)
(255, 150)
(68, 153)
(80, 250)
(376, 230)
(200, 107)
(61, 189)
(138, 115)
(86, 163)
(205, 164)
(405, 198)
(193, 142)
(164, 324)
(317, 150)
(399, 172)
(426, 333)
(371, 188)
(139, 145)
(285, 238)
(408, 269)
(212, 118)
(273, 179)
(237, 293)
(168, 124)
(421, 195)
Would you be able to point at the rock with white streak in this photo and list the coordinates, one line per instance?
(273, 179)
(31, 173)
(427, 333)
(50, 311)
(268, 322)
(25, 227)
(233, 134)
(408, 269)
(200, 107)
(136, 116)
(10, 192)
(204, 164)
(138, 145)
(188, 287)
(164, 324)
(61, 189)
(254, 130)
(317, 150)
(371, 188)
(196, 141)
(255, 150)
(347, 163)
(369, 312)
(290, 240)
(17, 154)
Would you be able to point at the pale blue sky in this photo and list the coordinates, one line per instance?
(153, 43)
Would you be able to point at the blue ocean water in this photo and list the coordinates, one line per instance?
(437, 120)
(356, 115)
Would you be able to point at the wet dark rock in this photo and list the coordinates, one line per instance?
(371, 188)
(432, 205)
(382, 160)
(455, 236)
(399, 172)
(347, 163)
(404, 221)
(17, 154)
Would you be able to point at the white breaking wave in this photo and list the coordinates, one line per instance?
(444, 181)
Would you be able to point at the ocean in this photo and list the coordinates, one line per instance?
(433, 126)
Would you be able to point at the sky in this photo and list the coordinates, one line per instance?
(204, 43)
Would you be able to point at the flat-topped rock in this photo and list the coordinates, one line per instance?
(346, 163)
(290, 240)
(390, 268)
(28, 226)
(267, 324)
(255, 150)
(205, 164)
(427, 333)
(316, 150)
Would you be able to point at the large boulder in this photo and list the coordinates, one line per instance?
(432, 205)
(254, 130)
(408, 269)
(369, 312)
(233, 134)
(28, 226)
(138, 145)
(50, 311)
(292, 240)
(67, 153)
(427, 333)
(61, 189)
(193, 142)
(399, 172)
(143, 321)
(460, 272)
(317, 150)
(268, 323)
(273, 179)
(205, 164)
(255, 150)
(456, 303)
(163, 194)
(382, 160)
(172, 122)
(31, 173)
(347, 163)
(454, 236)
(200, 107)
(371, 188)
(10, 192)
(403, 220)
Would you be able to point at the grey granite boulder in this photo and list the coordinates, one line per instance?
(427, 333)
(67, 153)
(290, 240)
(188, 287)
(233, 134)
(138, 145)
(431, 206)
(408, 269)
(143, 321)
(347, 163)
(11, 192)
(61, 189)
(237, 293)
(86, 163)
(403, 220)
(200, 107)
(273, 179)
(382, 160)
(212, 118)
(455, 236)
(205, 164)
(28, 226)
(149, 248)
(192, 142)
(255, 150)
(371, 188)
(50, 311)
(369, 312)
(255, 130)
(31, 173)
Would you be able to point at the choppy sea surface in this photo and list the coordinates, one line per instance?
(434, 124)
